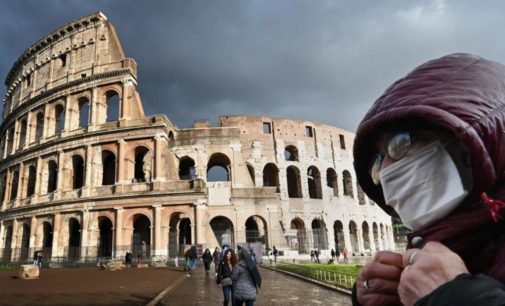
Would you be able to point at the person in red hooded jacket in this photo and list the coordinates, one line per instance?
(431, 151)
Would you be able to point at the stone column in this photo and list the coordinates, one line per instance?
(359, 233)
(347, 238)
(28, 130)
(47, 120)
(15, 141)
(157, 230)
(88, 167)
(93, 109)
(38, 180)
(200, 210)
(392, 245)
(84, 234)
(20, 184)
(14, 242)
(371, 239)
(33, 236)
(8, 186)
(56, 230)
(121, 176)
(119, 249)
(68, 115)
(61, 173)
(123, 104)
(157, 167)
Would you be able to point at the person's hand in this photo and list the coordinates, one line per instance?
(427, 269)
(377, 284)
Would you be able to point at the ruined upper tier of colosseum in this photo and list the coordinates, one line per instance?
(85, 174)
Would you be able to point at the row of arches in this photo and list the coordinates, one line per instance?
(55, 118)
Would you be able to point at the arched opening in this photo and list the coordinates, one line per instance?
(319, 234)
(353, 231)
(375, 232)
(142, 165)
(271, 176)
(291, 153)
(52, 176)
(298, 241)
(347, 183)
(77, 172)
(171, 139)
(59, 117)
(383, 236)
(112, 106)
(223, 230)
(32, 177)
(256, 230)
(332, 180)
(10, 140)
(218, 168)
(3, 188)
(179, 234)
(250, 169)
(22, 134)
(74, 240)
(187, 168)
(83, 104)
(361, 196)
(294, 182)
(14, 186)
(338, 233)
(105, 238)
(366, 235)
(109, 168)
(314, 183)
(141, 235)
(7, 252)
(47, 241)
(25, 242)
(39, 126)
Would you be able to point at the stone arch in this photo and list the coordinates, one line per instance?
(32, 178)
(271, 176)
(179, 233)
(112, 106)
(108, 168)
(83, 111)
(171, 139)
(141, 225)
(375, 233)
(77, 171)
(365, 230)
(23, 133)
(59, 118)
(10, 140)
(256, 230)
(291, 153)
(314, 183)
(319, 234)
(361, 195)
(52, 176)
(25, 242)
(7, 250)
(353, 231)
(250, 169)
(187, 168)
(38, 124)
(332, 180)
(218, 168)
(298, 235)
(47, 240)
(382, 235)
(294, 182)
(105, 234)
(74, 239)
(14, 185)
(223, 230)
(347, 183)
(338, 234)
(142, 164)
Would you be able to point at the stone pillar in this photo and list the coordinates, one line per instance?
(14, 242)
(15, 141)
(56, 230)
(392, 245)
(8, 187)
(28, 130)
(371, 239)
(68, 115)
(93, 107)
(20, 184)
(33, 236)
(157, 167)
(47, 120)
(123, 104)
(121, 171)
(84, 234)
(359, 233)
(235, 150)
(38, 180)
(88, 167)
(200, 210)
(61, 174)
(379, 240)
(119, 250)
(347, 238)
(157, 248)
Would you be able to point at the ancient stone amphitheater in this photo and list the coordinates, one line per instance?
(84, 174)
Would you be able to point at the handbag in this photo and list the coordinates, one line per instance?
(226, 282)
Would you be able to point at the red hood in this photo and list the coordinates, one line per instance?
(464, 94)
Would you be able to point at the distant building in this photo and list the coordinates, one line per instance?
(85, 174)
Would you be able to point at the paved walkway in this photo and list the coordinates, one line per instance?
(277, 289)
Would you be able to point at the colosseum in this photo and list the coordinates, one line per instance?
(85, 174)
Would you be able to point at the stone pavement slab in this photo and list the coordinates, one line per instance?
(277, 289)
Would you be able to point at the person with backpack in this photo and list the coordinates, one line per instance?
(207, 259)
(274, 252)
(193, 256)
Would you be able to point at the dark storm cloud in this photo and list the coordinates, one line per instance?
(323, 61)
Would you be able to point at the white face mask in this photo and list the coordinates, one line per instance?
(423, 187)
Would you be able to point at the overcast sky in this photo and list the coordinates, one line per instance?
(323, 61)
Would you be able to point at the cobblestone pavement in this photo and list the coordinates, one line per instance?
(277, 289)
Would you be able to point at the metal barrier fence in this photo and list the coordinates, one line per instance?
(342, 280)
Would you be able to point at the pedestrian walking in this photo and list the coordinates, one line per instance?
(337, 254)
(207, 259)
(332, 254)
(246, 279)
(344, 253)
(128, 258)
(216, 256)
(316, 255)
(223, 278)
(192, 256)
(275, 254)
(311, 255)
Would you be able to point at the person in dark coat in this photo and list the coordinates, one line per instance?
(217, 258)
(207, 259)
(223, 278)
(431, 151)
(244, 285)
(193, 256)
